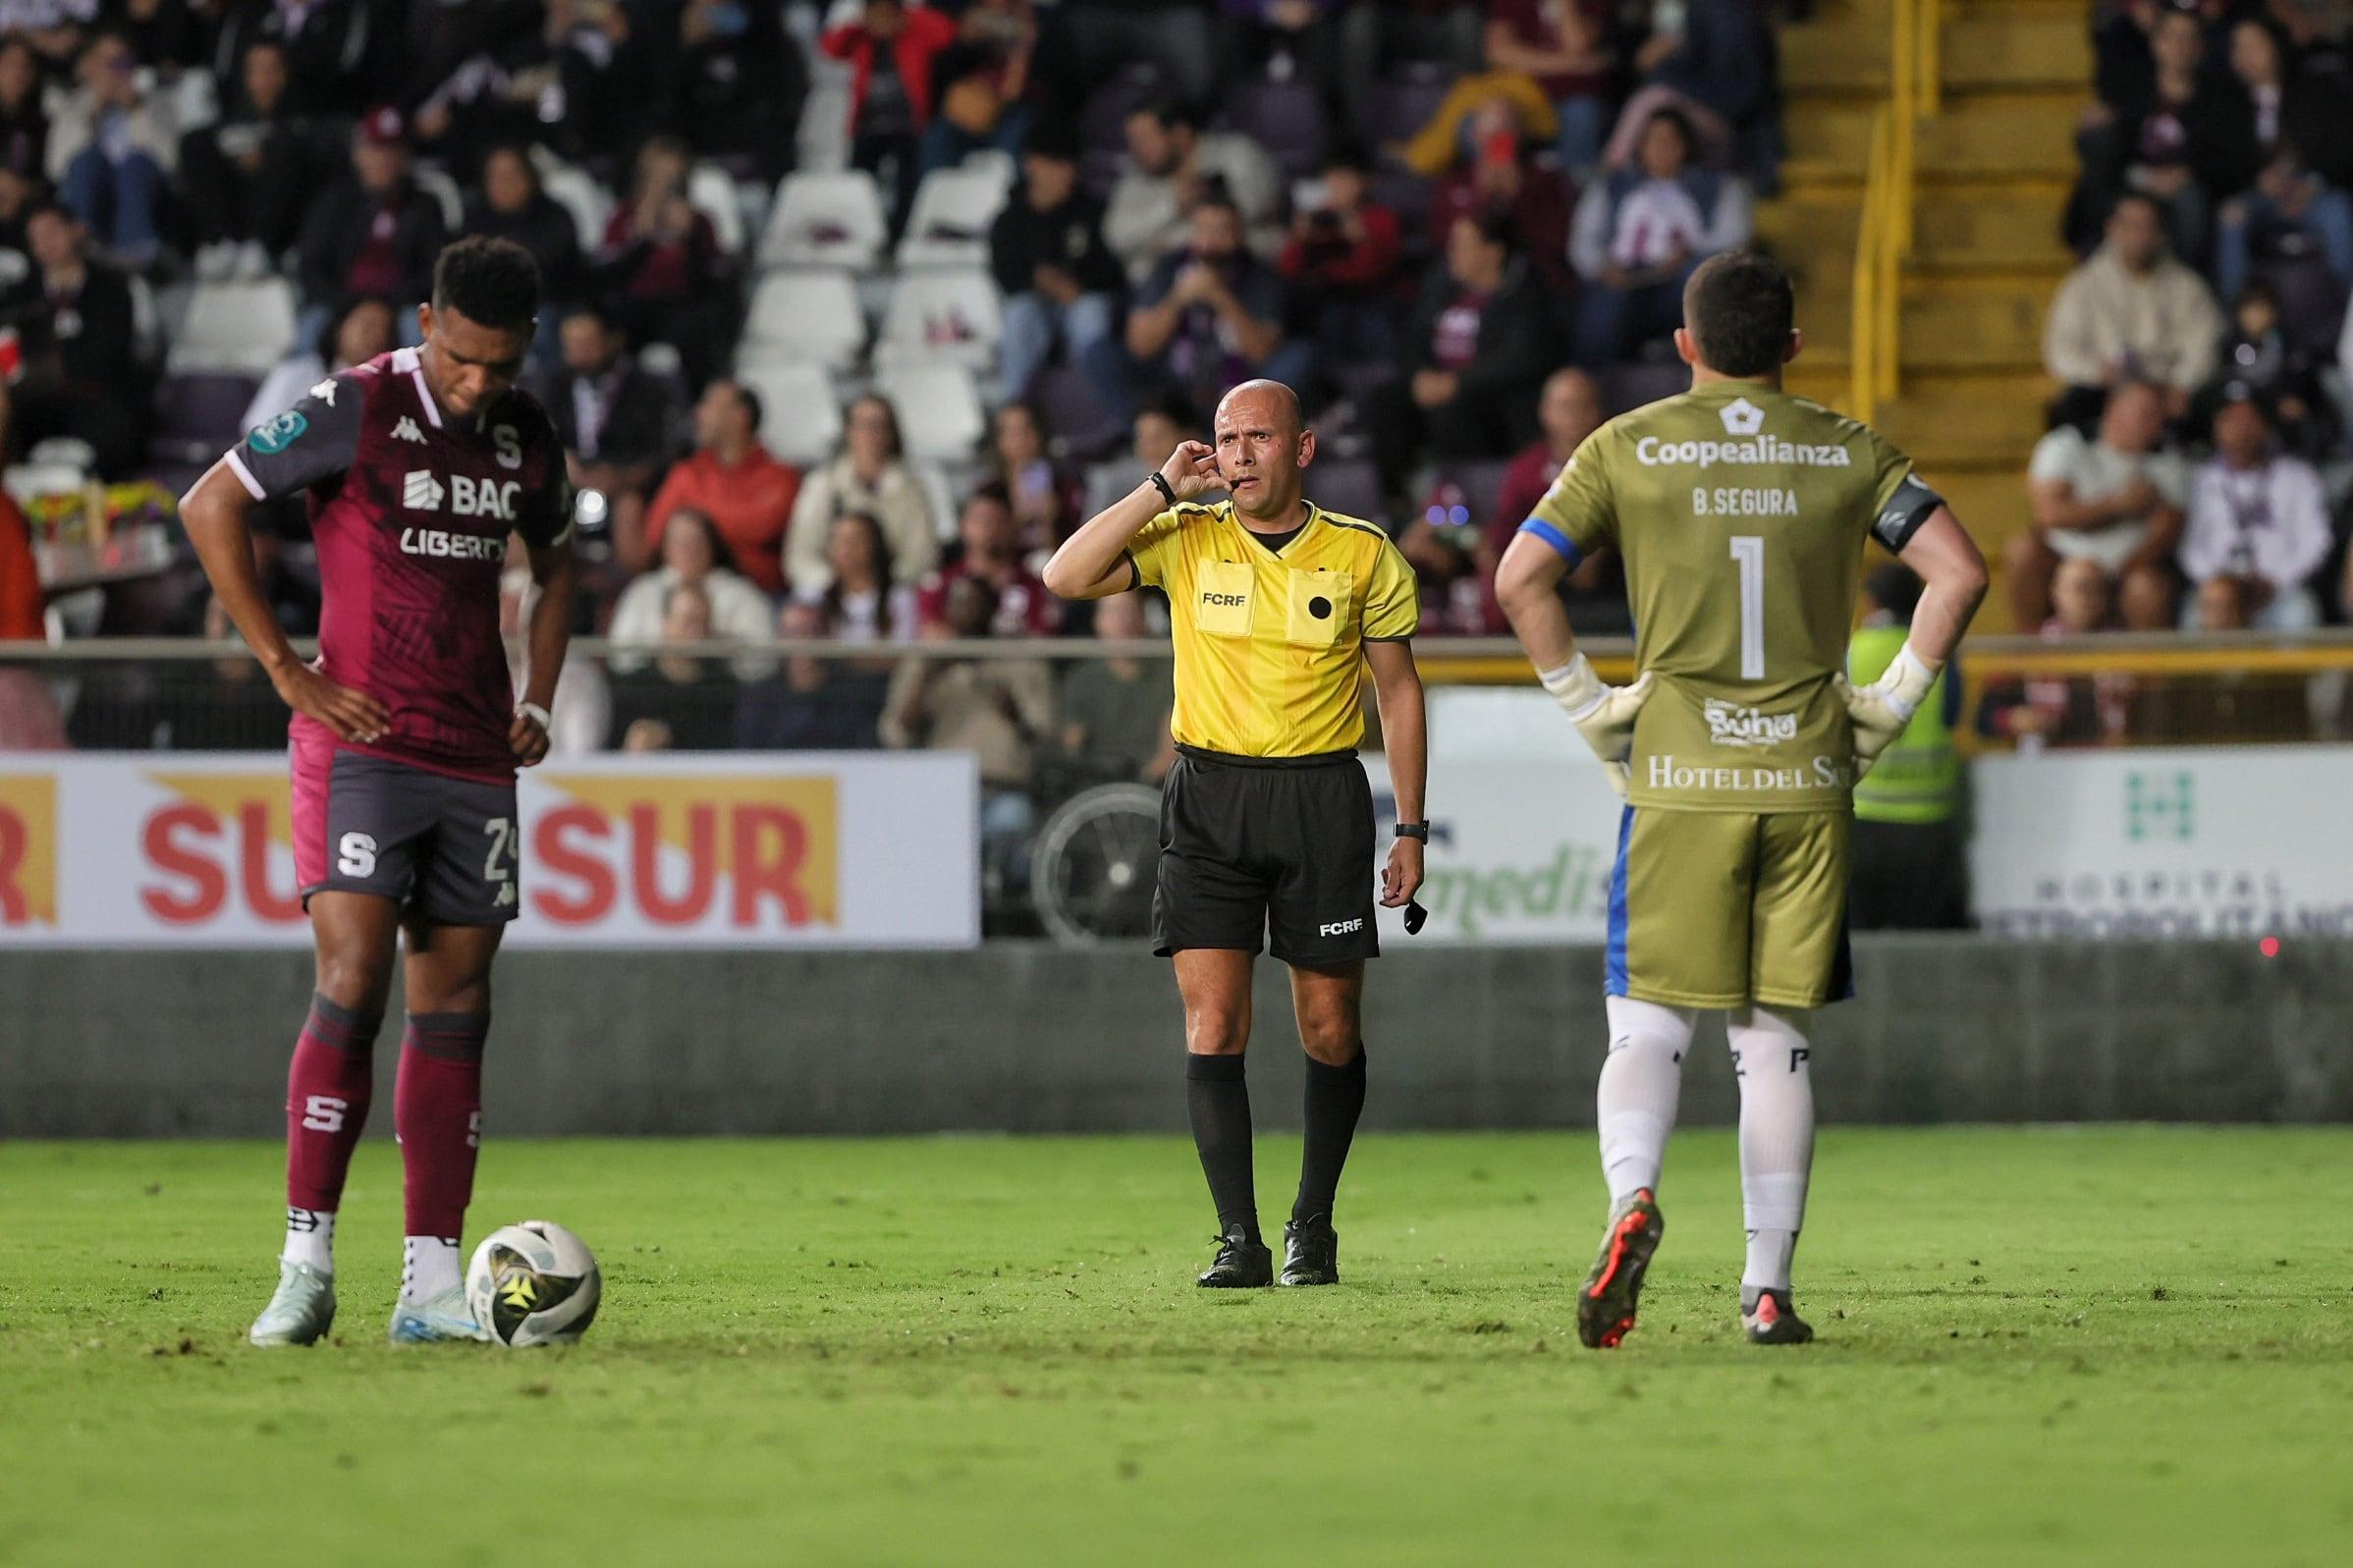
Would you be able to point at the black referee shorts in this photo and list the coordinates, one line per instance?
(1253, 844)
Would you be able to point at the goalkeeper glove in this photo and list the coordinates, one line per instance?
(1602, 715)
(1881, 710)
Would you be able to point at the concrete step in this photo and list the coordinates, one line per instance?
(1956, 232)
(1978, 327)
(1848, 52)
(1979, 136)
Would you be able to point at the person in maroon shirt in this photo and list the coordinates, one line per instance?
(1569, 410)
(373, 232)
(992, 539)
(418, 465)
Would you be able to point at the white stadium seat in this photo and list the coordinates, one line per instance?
(711, 191)
(800, 412)
(939, 409)
(825, 220)
(445, 193)
(955, 317)
(244, 327)
(577, 191)
(804, 315)
(949, 225)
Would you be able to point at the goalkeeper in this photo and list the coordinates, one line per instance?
(1740, 513)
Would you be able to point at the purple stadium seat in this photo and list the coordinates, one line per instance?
(1480, 481)
(1075, 413)
(1403, 103)
(199, 415)
(1633, 384)
(1284, 118)
(1103, 123)
(1349, 486)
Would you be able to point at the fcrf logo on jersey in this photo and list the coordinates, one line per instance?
(510, 446)
(421, 491)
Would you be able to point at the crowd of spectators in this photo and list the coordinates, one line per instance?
(2196, 471)
(1447, 222)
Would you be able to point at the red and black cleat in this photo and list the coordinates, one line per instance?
(1607, 1301)
(1768, 1319)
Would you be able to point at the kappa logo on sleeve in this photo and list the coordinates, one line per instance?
(324, 391)
(278, 434)
(404, 429)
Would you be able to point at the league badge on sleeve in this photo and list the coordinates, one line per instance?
(279, 433)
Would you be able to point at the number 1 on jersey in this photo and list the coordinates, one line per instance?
(1748, 550)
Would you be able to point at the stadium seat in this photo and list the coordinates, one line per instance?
(1285, 118)
(800, 410)
(200, 416)
(804, 315)
(1076, 414)
(939, 409)
(995, 162)
(235, 327)
(711, 191)
(825, 220)
(1103, 123)
(1403, 102)
(1481, 481)
(1349, 486)
(949, 225)
(445, 193)
(1633, 384)
(943, 315)
(579, 193)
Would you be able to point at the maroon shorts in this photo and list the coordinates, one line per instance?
(442, 847)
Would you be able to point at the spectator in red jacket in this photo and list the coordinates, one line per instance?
(21, 597)
(1341, 263)
(733, 479)
(890, 50)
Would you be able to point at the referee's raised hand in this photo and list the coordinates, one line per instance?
(1192, 468)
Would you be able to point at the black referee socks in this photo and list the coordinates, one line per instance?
(1334, 1100)
(1218, 1096)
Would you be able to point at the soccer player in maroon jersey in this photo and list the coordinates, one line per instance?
(406, 736)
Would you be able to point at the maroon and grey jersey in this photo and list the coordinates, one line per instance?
(411, 510)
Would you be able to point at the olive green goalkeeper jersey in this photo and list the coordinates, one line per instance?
(1741, 512)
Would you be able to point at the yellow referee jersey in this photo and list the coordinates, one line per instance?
(1269, 642)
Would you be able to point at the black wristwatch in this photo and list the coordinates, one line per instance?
(1160, 482)
(1414, 829)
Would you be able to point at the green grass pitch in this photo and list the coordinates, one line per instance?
(2128, 1345)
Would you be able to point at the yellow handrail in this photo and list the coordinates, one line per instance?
(1883, 238)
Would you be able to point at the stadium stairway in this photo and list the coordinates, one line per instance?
(1994, 168)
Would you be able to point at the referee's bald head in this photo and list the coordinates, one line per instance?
(1275, 405)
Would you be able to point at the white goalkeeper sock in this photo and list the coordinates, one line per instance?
(311, 1238)
(1776, 1137)
(428, 1266)
(1641, 1081)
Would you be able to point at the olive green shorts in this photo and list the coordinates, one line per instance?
(1719, 909)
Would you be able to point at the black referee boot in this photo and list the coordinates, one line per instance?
(1242, 1262)
(1311, 1252)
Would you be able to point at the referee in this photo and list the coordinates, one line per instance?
(1266, 824)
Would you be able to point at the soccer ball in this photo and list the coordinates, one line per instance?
(533, 1284)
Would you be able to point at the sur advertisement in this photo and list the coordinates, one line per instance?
(812, 849)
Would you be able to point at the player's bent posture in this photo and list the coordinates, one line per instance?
(1266, 820)
(406, 734)
(1740, 513)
